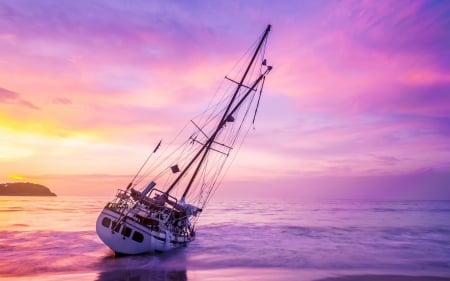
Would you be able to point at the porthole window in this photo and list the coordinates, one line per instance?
(106, 222)
(138, 237)
(126, 231)
(115, 226)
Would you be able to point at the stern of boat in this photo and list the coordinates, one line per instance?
(122, 238)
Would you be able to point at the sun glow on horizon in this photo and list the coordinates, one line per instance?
(17, 177)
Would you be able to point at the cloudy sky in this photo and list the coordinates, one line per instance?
(357, 106)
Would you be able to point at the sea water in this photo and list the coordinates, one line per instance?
(53, 238)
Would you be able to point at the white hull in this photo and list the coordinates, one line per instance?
(138, 239)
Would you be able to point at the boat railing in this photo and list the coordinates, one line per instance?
(156, 209)
(121, 202)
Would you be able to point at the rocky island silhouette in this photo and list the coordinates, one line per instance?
(24, 189)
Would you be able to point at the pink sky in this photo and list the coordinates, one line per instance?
(358, 103)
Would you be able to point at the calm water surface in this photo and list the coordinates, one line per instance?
(54, 239)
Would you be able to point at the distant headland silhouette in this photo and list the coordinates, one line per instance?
(24, 189)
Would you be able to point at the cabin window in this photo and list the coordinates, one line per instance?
(138, 237)
(115, 226)
(106, 222)
(126, 231)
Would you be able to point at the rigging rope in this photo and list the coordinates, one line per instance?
(216, 165)
(257, 104)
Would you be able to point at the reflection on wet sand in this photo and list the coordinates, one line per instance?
(384, 278)
(143, 275)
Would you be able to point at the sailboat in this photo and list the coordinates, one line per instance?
(160, 207)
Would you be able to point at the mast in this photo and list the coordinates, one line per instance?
(206, 147)
(220, 127)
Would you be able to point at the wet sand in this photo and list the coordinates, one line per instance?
(384, 278)
(234, 274)
(305, 275)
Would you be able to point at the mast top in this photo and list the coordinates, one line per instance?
(231, 107)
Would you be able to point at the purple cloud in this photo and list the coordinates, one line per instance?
(7, 96)
(62, 100)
